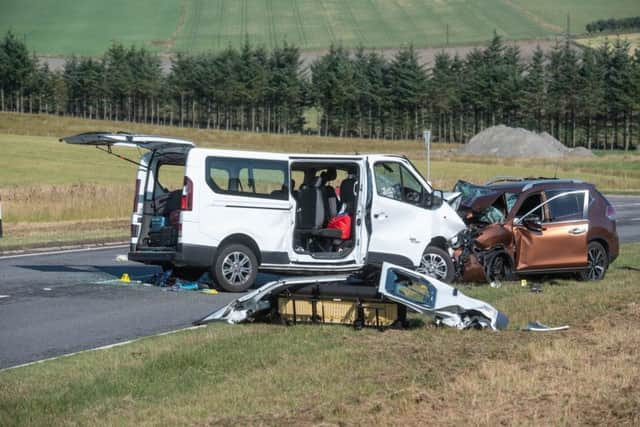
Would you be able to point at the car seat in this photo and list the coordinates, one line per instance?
(312, 214)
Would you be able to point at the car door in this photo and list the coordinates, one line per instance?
(553, 235)
(432, 297)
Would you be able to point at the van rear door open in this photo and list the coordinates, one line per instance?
(149, 142)
(149, 197)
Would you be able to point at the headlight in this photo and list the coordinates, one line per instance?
(454, 242)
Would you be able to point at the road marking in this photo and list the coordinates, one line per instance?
(46, 289)
(4, 296)
(104, 347)
(64, 251)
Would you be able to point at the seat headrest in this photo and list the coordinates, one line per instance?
(329, 175)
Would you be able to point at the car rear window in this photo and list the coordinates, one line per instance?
(248, 177)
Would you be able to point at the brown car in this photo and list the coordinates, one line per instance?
(534, 226)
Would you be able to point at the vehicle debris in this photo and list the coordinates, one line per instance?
(367, 303)
(540, 327)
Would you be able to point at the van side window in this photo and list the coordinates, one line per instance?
(394, 181)
(248, 177)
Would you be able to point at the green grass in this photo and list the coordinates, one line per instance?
(300, 375)
(88, 27)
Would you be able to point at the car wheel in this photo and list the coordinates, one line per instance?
(236, 268)
(598, 262)
(500, 269)
(437, 263)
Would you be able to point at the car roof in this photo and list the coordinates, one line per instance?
(526, 184)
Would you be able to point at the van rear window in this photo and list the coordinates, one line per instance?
(248, 177)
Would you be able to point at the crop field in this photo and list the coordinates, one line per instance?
(260, 374)
(88, 27)
(597, 41)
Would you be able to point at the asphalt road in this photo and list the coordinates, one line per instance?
(628, 214)
(55, 304)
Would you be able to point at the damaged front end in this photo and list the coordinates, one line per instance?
(484, 251)
(483, 254)
(337, 299)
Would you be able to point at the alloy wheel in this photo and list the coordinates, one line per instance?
(433, 265)
(236, 268)
(597, 263)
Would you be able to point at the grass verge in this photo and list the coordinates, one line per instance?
(275, 375)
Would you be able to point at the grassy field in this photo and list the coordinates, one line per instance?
(333, 375)
(552, 14)
(597, 41)
(87, 28)
(48, 188)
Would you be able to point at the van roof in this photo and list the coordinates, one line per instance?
(293, 156)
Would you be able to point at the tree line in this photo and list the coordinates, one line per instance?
(613, 25)
(585, 97)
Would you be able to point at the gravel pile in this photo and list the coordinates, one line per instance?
(503, 141)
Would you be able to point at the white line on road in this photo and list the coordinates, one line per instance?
(104, 347)
(65, 251)
(4, 296)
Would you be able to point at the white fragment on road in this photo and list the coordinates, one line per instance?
(46, 289)
(122, 258)
(4, 296)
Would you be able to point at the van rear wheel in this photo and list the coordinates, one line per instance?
(236, 268)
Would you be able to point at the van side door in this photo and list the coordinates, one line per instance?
(249, 197)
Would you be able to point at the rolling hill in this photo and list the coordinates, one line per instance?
(86, 28)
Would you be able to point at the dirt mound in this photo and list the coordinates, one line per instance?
(504, 141)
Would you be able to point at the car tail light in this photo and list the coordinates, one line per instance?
(611, 212)
(134, 230)
(135, 196)
(186, 202)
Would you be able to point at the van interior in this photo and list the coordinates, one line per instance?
(161, 208)
(326, 201)
(325, 195)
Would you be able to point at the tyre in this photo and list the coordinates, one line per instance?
(436, 262)
(236, 268)
(598, 262)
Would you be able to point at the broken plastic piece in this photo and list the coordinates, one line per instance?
(540, 327)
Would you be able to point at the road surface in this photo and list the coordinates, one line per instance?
(54, 304)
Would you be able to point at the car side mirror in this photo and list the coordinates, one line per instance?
(533, 223)
(434, 200)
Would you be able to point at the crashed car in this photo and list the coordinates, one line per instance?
(339, 299)
(522, 226)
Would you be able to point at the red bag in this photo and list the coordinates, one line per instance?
(342, 223)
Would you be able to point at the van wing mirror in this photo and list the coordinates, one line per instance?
(434, 199)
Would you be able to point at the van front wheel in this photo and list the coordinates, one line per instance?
(437, 263)
(236, 268)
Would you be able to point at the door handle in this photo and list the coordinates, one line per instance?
(577, 231)
(380, 215)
